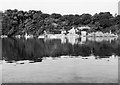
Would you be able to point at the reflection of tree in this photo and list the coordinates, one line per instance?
(82, 50)
(35, 49)
(12, 49)
(103, 50)
(118, 50)
(53, 47)
(17, 49)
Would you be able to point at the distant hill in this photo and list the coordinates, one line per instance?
(35, 22)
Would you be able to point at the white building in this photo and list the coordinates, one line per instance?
(84, 27)
(72, 31)
(83, 33)
(84, 30)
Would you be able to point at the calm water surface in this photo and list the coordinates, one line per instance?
(65, 60)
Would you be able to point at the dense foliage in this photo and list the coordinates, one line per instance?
(35, 22)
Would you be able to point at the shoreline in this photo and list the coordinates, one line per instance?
(65, 35)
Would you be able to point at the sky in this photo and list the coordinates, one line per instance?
(62, 6)
(119, 8)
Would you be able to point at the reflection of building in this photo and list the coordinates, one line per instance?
(101, 34)
(81, 40)
(63, 40)
(72, 38)
(100, 39)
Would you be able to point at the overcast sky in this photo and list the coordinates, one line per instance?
(62, 6)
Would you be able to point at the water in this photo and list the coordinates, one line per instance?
(65, 60)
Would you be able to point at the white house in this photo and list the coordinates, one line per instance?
(83, 30)
(63, 31)
(83, 33)
(72, 31)
(28, 36)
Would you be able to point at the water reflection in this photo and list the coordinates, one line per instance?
(35, 50)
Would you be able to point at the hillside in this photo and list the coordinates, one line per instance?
(36, 22)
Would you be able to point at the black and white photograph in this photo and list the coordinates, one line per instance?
(60, 41)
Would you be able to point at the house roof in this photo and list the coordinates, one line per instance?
(84, 27)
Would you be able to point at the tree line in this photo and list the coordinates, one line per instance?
(15, 22)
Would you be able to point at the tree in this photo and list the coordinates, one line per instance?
(45, 16)
(105, 23)
(85, 19)
(55, 16)
(100, 16)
